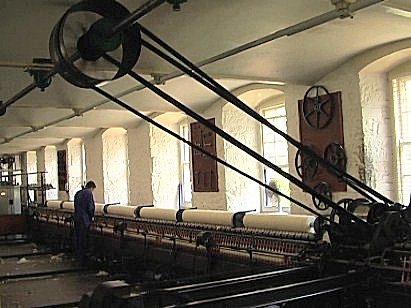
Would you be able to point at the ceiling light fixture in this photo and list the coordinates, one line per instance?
(343, 6)
(176, 4)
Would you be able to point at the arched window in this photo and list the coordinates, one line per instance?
(115, 166)
(31, 170)
(185, 178)
(402, 111)
(275, 149)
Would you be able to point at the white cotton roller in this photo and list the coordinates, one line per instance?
(68, 205)
(53, 204)
(214, 217)
(99, 208)
(290, 223)
(121, 210)
(158, 213)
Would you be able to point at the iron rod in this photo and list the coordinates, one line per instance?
(134, 16)
(198, 148)
(294, 29)
(214, 86)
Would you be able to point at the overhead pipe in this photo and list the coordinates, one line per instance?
(300, 27)
(199, 75)
(297, 28)
(134, 16)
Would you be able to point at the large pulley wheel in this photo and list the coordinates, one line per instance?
(334, 153)
(305, 165)
(84, 35)
(317, 107)
(323, 188)
(376, 212)
(343, 217)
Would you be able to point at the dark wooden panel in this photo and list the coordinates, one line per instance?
(62, 169)
(205, 175)
(13, 224)
(320, 138)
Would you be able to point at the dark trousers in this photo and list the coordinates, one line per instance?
(81, 240)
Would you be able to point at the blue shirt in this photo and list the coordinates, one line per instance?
(84, 207)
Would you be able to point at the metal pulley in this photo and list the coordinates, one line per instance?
(317, 107)
(305, 165)
(322, 188)
(377, 212)
(334, 153)
(84, 35)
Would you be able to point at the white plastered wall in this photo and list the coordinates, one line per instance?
(41, 164)
(115, 166)
(140, 165)
(93, 147)
(31, 166)
(165, 166)
(243, 193)
(378, 133)
(74, 165)
(50, 157)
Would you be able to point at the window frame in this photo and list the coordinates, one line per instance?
(185, 149)
(399, 92)
(281, 208)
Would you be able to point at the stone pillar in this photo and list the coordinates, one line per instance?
(242, 193)
(140, 165)
(166, 165)
(379, 168)
(24, 182)
(74, 165)
(93, 146)
(41, 177)
(50, 156)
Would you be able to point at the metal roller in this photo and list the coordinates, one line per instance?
(126, 211)
(99, 208)
(54, 204)
(212, 217)
(158, 213)
(289, 223)
(68, 205)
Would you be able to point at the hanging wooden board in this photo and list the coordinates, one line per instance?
(205, 175)
(320, 134)
(62, 169)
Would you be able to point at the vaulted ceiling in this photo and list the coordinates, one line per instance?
(202, 29)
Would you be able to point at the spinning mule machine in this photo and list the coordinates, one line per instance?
(345, 253)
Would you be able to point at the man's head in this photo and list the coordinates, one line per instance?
(90, 185)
